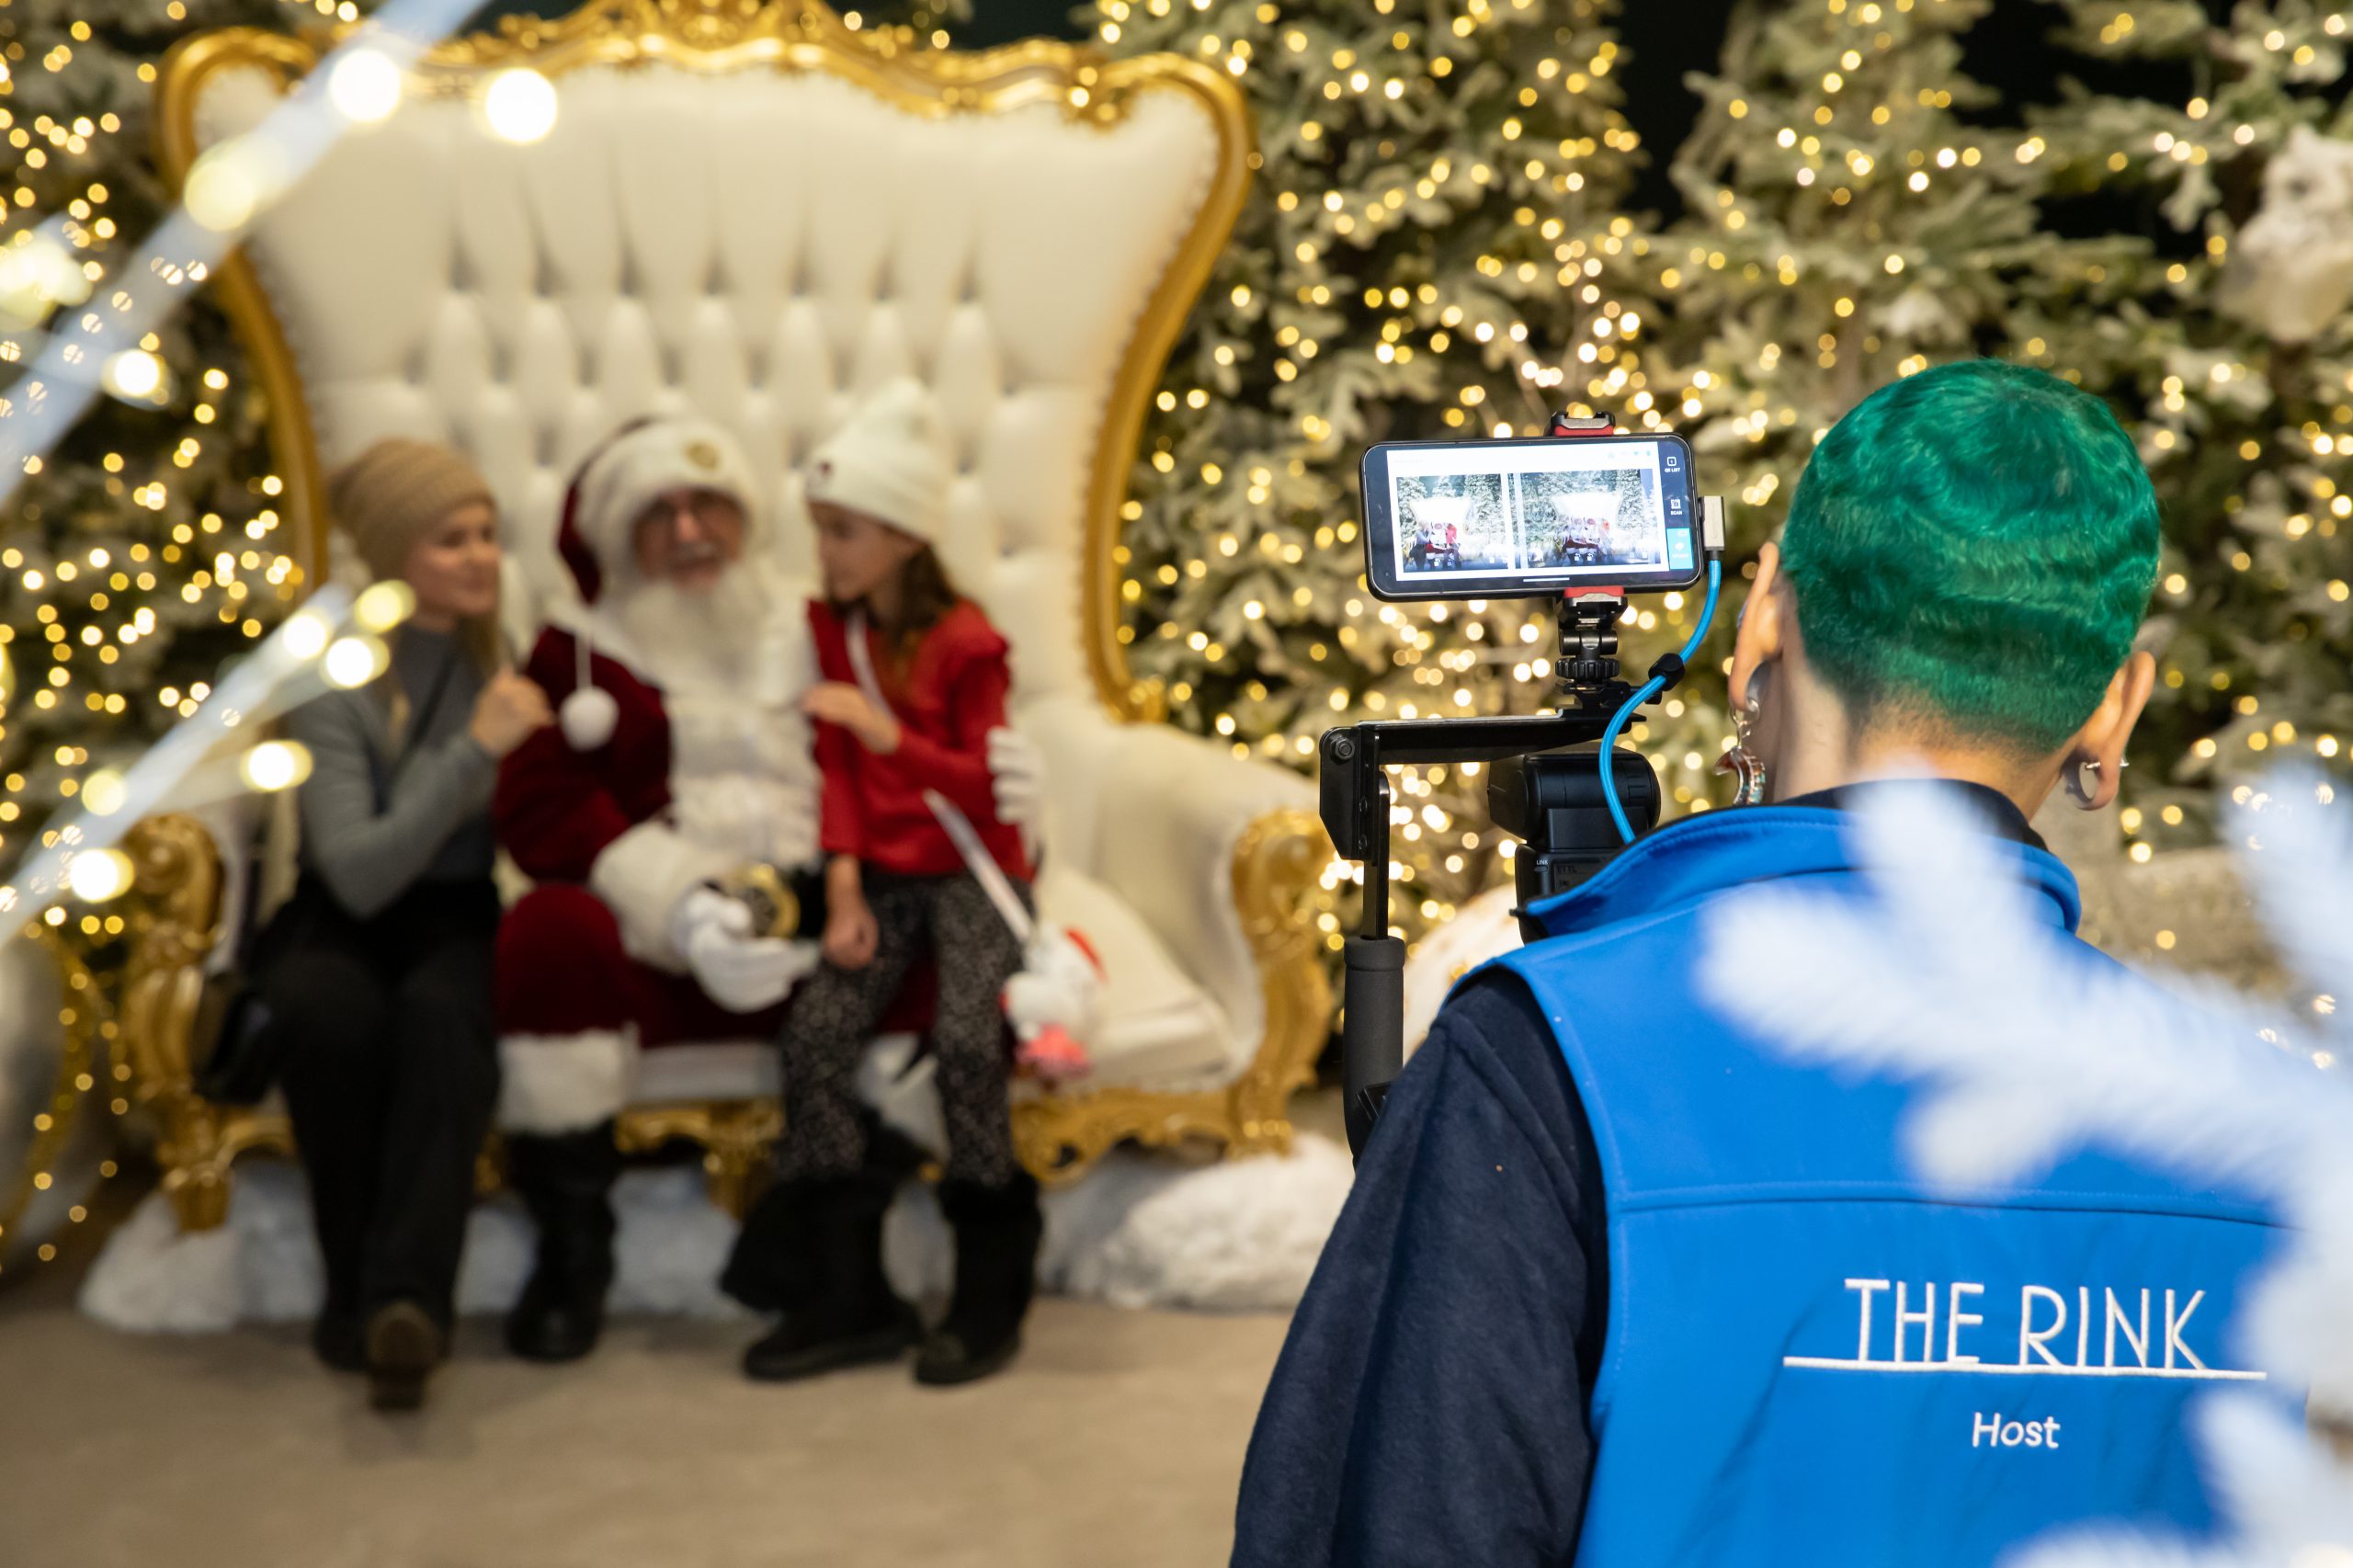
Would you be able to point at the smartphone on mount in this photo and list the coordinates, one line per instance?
(1500, 519)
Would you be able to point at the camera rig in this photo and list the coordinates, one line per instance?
(1545, 788)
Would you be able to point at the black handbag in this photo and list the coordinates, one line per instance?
(246, 1050)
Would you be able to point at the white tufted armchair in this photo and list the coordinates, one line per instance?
(754, 211)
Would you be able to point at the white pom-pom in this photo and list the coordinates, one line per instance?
(588, 717)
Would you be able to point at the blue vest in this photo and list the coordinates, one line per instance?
(1810, 1358)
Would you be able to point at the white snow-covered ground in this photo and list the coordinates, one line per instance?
(1138, 1232)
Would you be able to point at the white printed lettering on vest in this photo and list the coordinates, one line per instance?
(1992, 1431)
(1865, 1288)
(2116, 1320)
(1926, 1317)
(2174, 1325)
(2029, 1339)
(2128, 1347)
(1955, 1319)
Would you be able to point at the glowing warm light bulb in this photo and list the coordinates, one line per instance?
(275, 764)
(134, 375)
(306, 634)
(355, 661)
(104, 792)
(38, 274)
(385, 605)
(520, 105)
(98, 875)
(231, 182)
(365, 86)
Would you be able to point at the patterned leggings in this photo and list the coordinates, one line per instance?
(834, 1014)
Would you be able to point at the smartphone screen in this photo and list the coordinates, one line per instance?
(1513, 519)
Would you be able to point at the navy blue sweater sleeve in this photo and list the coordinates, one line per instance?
(1429, 1404)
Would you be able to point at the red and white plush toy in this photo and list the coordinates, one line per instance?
(1053, 1003)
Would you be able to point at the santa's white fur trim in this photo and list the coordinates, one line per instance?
(564, 1082)
(588, 717)
(641, 876)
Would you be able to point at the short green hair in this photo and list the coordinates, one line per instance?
(1972, 549)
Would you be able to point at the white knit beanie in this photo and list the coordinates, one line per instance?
(886, 462)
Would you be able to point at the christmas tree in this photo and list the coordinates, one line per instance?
(142, 551)
(2227, 343)
(1433, 249)
(1847, 223)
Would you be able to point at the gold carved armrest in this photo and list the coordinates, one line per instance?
(173, 919)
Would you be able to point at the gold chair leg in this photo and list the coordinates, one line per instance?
(735, 1139)
(196, 1158)
(199, 1197)
(729, 1170)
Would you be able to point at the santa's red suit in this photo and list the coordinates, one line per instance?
(681, 754)
(686, 759)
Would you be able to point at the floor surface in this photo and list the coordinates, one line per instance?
(1116, 1439)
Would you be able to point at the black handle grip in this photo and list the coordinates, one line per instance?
(1372, 1030)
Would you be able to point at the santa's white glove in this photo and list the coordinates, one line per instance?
(1017, 770)
(742, 973)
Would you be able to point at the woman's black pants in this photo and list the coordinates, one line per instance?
(390, 1074)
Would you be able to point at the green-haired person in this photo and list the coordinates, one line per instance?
(1618, 1285)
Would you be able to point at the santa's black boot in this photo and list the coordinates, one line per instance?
(566, 1181)
(997, 1230)
(814, 1249)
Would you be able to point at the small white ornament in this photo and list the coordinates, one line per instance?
(588, 717)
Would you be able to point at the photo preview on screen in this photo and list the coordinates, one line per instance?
(1538, 510)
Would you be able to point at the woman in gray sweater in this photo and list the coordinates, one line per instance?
(380, 973)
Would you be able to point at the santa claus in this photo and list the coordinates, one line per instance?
(681, 758)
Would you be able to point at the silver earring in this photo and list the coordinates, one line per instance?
(1747, 769)
(2084, 782)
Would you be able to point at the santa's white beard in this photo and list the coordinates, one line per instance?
(685, 639)
(732, 663)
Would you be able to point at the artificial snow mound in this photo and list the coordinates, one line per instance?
(1138, 1232)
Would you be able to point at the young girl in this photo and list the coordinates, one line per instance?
(915, 678)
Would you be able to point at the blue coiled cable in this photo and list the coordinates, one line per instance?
(1644, 693)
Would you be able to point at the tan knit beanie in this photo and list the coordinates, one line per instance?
(390, 497)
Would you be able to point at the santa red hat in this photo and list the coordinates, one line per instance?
(640, 462)
(637, 464)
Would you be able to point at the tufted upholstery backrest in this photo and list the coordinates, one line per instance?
(764, 240)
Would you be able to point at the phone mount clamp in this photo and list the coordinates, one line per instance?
(1548, 797)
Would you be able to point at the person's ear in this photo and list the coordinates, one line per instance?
(1761, 635)
(2092, 768)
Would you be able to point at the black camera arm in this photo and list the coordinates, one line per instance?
(1355, 803)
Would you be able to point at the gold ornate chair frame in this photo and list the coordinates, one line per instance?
(175, 910)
